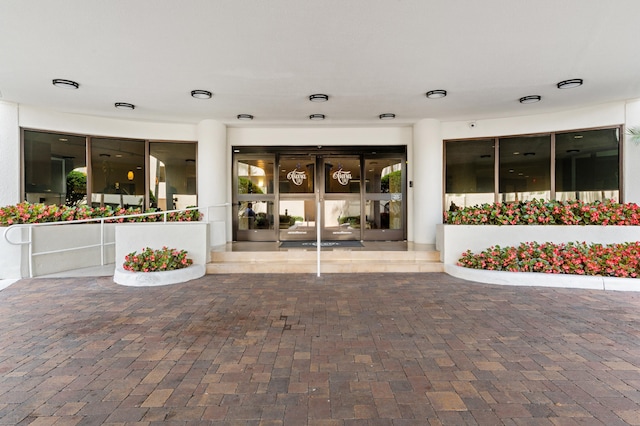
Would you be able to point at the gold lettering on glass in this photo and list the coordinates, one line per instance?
(342, 176)
(296, 176)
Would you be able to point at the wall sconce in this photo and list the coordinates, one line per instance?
(130, 175)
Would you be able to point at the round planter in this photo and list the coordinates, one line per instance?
(150, 279)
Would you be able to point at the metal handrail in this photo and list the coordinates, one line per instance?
(101, 220)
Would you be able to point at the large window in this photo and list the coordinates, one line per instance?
(117, 167)
(120, 173)
(582, 165)
(588, 165)
(525, 168)
(172, 173)
(469, 172)
(55, 168)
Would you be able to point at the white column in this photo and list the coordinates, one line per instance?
(10, 157)
(427, 180)
(214, 180)
(631, 153)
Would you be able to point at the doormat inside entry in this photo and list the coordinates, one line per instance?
(313, 244)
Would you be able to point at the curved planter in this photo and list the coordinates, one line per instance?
(540, 279)
(150, 279)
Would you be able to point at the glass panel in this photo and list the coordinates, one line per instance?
(118, 176)
(298, 218)
(384, 214)
(172, 174)
(383, 175)
(255, 215)
(469, 172)
(342, 175)
(341, 215)
(525, 168)
(255, 176)
(296, 174)
(587, 165)
(55, 168)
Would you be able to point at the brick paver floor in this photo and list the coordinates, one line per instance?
(368, 349)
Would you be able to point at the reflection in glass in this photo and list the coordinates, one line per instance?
(118, 176)
(298, 218)
(525, 168)
(255, 176)
(384, 214)
(172, 173)
(342, 175)
(255, 215)
(383, 175)
(469, 173)
(342, 216)
(55, 168)
(588, 165)
(296, 174)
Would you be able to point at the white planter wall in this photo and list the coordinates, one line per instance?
(190, 236)
(453, 240)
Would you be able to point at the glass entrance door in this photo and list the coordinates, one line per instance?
(298, 198)
(360, 195)
(341, 198)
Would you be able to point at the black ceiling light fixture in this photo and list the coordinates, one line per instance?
(316, 117)
(201, 94)
(244, 117)
(65, 84)
(387, 116)
(570, 84)
(532, 99)
(125, 105)
(436, 94)
(319, 97)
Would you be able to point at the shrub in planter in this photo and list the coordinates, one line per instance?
(150, 260)
(540, 212)
(25, 212)
(611, 260)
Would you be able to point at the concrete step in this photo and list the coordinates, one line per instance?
(334, 261)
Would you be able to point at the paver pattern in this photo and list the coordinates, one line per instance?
(366, 349)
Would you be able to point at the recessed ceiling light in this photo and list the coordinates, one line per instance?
(572, 151)
(528, 154)
(387, 116)
(319, 98)
(63, 139)
(316, 117)
(65, 84)
(570, 84)
(245, 117)
(530, 99)
(201, 94)
(436, 94)
(124, 105)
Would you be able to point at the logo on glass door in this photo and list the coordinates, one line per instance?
(342, 176)
(296, 176)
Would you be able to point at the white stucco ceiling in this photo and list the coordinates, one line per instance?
(265, 57)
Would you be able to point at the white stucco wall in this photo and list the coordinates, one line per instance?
(9, 154)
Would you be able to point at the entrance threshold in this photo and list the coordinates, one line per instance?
(248, 246)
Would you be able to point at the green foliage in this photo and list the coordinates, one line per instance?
(25, 212)
(76, 188)
(391, 182)
(150, 260)
(245, 186)
(539, 212)
(612, 260)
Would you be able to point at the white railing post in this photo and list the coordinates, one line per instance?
(30, 252)
(318, 239)
(102, 242)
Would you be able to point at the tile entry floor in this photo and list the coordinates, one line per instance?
(358, 349)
